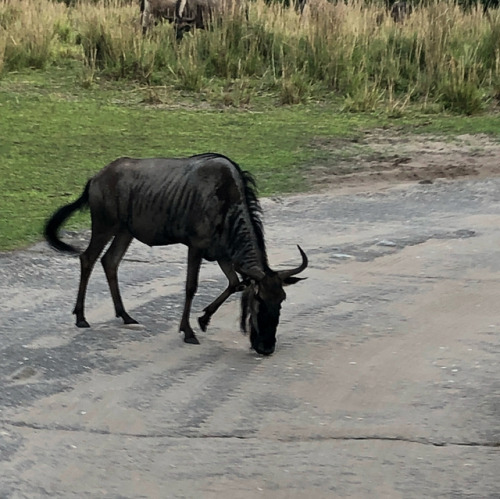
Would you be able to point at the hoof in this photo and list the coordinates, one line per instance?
(193, 340)
(82, 323)
(129, 321)
(134, 326)
(203, 322)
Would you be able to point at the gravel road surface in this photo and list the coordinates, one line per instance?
(385, 382)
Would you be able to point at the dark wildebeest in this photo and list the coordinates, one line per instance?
(400, 10)
(155, 10)
(186, 14)
(205, 202)
(201, 13)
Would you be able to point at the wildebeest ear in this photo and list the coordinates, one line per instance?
(292, 280)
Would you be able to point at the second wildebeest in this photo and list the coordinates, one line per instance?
(400, 11)
(205, 202)
(188, 14)
(155, 10)
(201, 13)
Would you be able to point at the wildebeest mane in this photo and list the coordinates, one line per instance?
(252, 201)
(254, 208)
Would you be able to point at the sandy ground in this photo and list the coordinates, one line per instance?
(378, 158)
(385, 382)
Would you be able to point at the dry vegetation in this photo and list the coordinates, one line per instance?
(442, 56)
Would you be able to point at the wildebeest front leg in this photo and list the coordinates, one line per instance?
(110, 262)
(194, 262)
(233, 286)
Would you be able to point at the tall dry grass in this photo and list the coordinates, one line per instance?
(27, 32)
(440, 55)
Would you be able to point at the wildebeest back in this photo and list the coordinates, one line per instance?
(166, 201)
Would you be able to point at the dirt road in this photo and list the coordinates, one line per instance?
(385, 382)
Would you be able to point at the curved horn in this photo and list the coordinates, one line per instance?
(288, 273)
(186, 20)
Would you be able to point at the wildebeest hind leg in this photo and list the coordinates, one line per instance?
(194, 262)
(87, 260)
(110, 262)
(234, 285)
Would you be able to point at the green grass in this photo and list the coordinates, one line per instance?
(54, 136)
(82, 86)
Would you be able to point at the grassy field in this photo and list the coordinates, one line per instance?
(75, 94)
(54, 136)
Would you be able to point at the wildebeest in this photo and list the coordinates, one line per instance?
(200, 13)
(400, 10)
(205, 202)
(186, 14)
(154, 10)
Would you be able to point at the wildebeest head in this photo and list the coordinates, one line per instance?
(261, 305)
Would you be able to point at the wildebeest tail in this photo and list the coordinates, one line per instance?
(59, 217)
